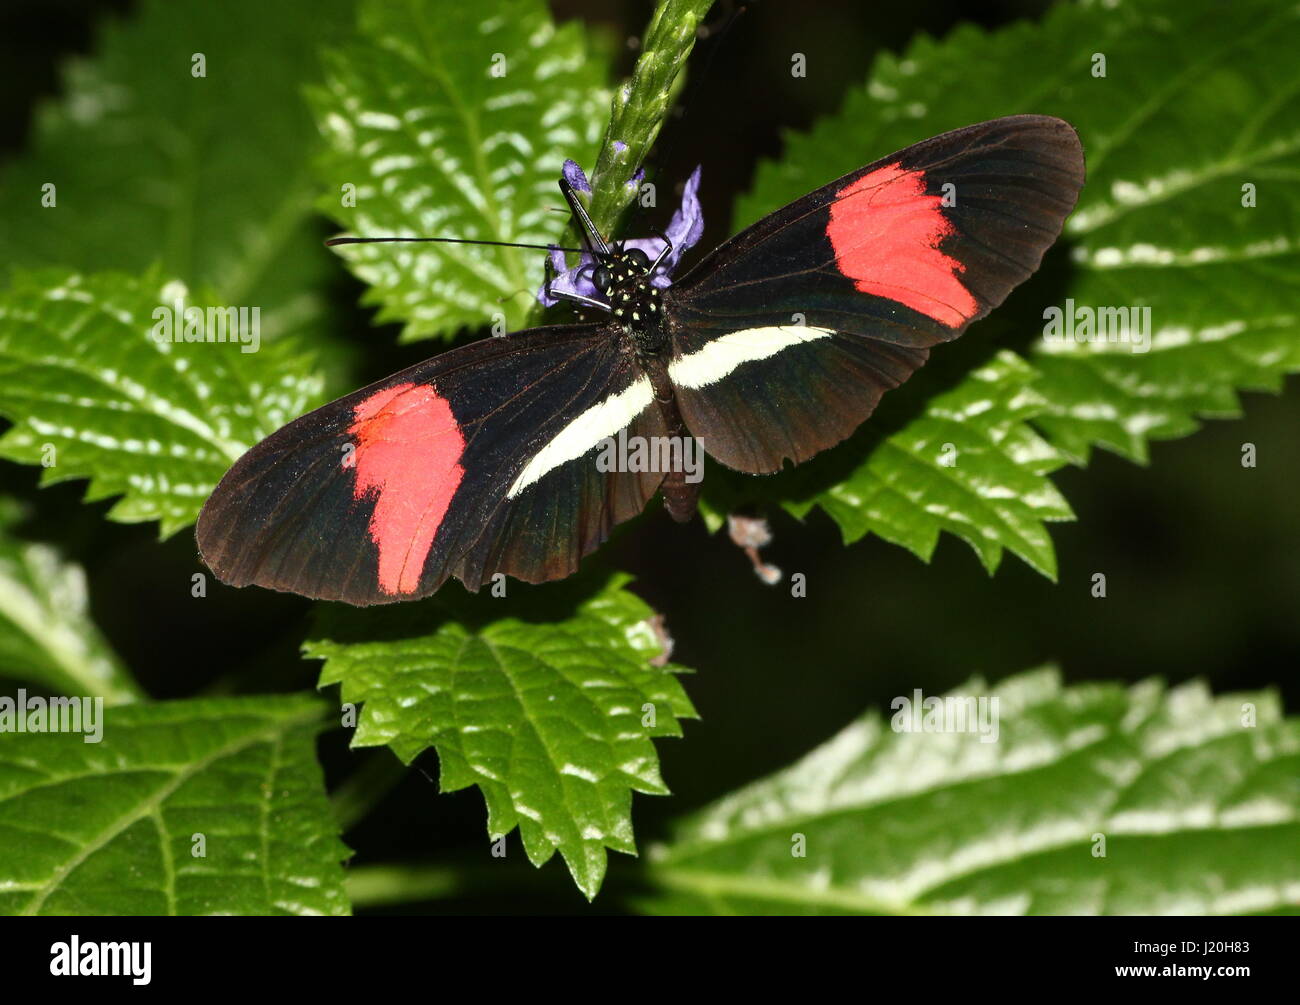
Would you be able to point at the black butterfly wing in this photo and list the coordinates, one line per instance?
(785, 338)
(478, 461)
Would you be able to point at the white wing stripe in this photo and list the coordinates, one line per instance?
(584, 432)
(721, 356)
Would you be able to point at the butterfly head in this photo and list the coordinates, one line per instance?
(634, 302)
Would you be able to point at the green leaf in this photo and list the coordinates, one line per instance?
(641, 104)
(970, 463)
(93, 394)
(1196, 798)
(549, 720)
(1198, 100)
(114, 827)
(46, 634)
(207, 176)
(1163, 226)
(454, 120)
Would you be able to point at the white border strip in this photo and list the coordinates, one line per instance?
(721, 356)
(588, 429)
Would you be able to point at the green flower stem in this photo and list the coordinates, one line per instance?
(388, 883)
(378, 885)
(640, 106)
(364, 788)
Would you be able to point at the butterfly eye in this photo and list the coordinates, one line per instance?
(602, 279)
(637, 258)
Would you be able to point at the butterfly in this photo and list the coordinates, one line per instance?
(774, 347)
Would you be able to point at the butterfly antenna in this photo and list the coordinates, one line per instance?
(597, 243)
(442, 240)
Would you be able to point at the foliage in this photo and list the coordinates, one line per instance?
(176, 190)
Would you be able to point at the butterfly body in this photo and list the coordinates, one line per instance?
(775, 346)
(635, 302)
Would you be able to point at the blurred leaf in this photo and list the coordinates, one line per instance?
(46, 634)
(81, 375)
(453, 120)
(1200, 813)
(549, 720)
(207, 176)
(1198, 99)
(110, 828)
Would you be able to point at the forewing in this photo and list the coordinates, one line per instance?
(786, 337)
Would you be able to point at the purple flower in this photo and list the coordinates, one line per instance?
(574, 176)
(684, 230)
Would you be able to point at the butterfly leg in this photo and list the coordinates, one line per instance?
(668, 247)
(573, 298)
(595, 242)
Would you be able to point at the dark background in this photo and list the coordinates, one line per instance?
(1201, 556)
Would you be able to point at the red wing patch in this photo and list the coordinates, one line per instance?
(407, 456)
(885, 231)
